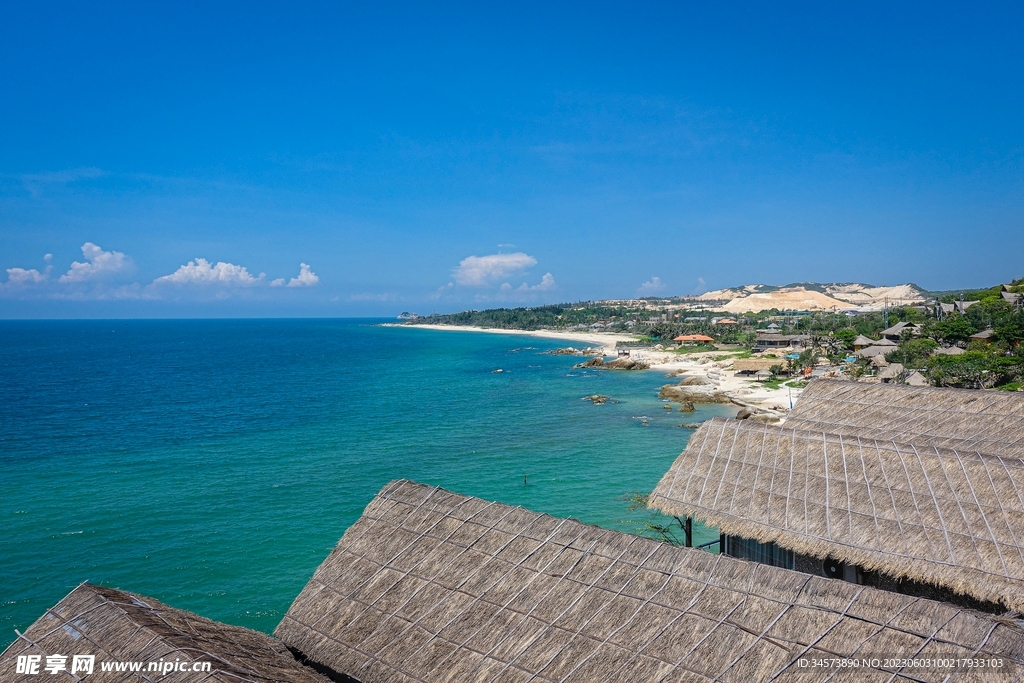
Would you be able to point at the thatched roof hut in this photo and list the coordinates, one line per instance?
(873, 351)
(963, 419)
(429, 585)
(953, 519)
(890, 372)
(862, 342)
(115, 626)
(756, 364)
(916, 379)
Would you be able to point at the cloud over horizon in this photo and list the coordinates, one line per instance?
(479, 271)
(651, 287)
(95, 279)
(98, 264)
(202, 272)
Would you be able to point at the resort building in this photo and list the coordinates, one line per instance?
(916, 490)
(693, 339)
(774, 340)
(896, 332)
(429, 585)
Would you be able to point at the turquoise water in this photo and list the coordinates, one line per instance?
(214, 464)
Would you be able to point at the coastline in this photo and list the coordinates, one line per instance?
(709, 367)
(603, 340)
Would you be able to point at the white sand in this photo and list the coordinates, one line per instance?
(742, 390)
(597, 340)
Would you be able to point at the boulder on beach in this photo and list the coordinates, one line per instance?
(684, 394)
(626, 363)
(693, 381)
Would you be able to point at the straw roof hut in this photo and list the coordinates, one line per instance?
(429, 585)
(916, 379)
(963, 419)
(115, 626)
(952, 519)
(876, 350)
(890, 372)
(756, 364)
(862, 342)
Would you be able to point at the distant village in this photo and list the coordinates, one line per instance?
(969, 339)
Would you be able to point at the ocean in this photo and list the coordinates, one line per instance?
(213, 464)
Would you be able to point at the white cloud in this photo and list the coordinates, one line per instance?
(477, 271)
(546, 283)
(306, 278)
(202, 272)
(97, 264)
(279, 282)
(22, 276)
(652, 286)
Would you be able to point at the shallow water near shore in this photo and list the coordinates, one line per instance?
(213, 464)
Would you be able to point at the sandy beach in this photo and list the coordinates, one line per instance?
(712, 367)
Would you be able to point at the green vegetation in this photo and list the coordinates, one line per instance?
(696, 348)
(997, 361)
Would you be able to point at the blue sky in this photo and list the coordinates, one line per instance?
(191, 158)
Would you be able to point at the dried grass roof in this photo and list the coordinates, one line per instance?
(963, 419)
(749, 364)
(118, 626)
(872, 351)
(954, 519)
(429, 585)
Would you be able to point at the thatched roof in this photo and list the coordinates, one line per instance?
(964, 419)
(755, 364)
(861, 340)
(891, 371)
(948, 351)
(123, 627)
(429, 585)
(916, 379)
(954, 519)
(874, 351)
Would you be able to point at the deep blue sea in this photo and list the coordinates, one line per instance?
(213, 464)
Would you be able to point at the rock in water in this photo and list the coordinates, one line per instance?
(592, 363)
(596, 399)
(687, 407)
